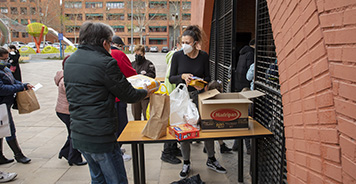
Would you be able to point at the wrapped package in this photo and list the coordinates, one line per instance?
(137, 81)
(183, 131)
(198, 82)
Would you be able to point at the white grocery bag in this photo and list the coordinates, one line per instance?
(179, 102)
(4, 122)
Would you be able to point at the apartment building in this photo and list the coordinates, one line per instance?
(155, 23)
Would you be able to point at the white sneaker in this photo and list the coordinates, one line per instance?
(126, 157)
(123, 150)
(5, 177)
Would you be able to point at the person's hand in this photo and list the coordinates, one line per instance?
(29, 86)
(198, 88)
(149, 92)
(187, 77)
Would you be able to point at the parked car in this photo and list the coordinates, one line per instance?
(57, 45)
(147, 49)
(31, 44)
(18, 44)
(46, 43)
(154, 49)
(164, 49)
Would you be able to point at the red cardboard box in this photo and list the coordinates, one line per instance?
(183, 131)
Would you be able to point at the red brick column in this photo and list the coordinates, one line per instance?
(316, 49)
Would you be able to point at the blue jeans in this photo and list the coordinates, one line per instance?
(106, 168)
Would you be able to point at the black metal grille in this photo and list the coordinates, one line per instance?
(221, 42)
(268, 110)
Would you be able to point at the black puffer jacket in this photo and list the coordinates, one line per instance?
(93, 80)
(246, 58)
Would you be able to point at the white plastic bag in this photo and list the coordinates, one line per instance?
(179, 102)
(191, 115)
(4, 122)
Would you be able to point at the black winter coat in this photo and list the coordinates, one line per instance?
(246, 58)
(93, 79)
(15, 56)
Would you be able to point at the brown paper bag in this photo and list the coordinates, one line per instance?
(27, 101)
(156, 126)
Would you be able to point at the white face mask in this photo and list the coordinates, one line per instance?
(187, 48)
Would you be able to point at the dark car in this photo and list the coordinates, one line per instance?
(164, 49)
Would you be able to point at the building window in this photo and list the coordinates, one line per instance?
(186, 5)
(15, 34)
(71, 29)
(93, 5)
(115, 5)
(73, 4)
(158, 41)
(24, 34)
(158, 4)
(12, 0)
(33, 11)
(136, 29)
(23, 10)
(186, 16)
(23, 1)
(137, 5)
(24, 21)
(135, 16)
(74, 16)
(14, 11)
(115, 16)
(119, 28)
(4, 10)
(158, 16)
(32, 1)
(94, 16)
(3, 1)
(157, 28)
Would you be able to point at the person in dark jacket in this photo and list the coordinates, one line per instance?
(246, 58)
(93, 79)
(8, 87)
(14, 61)
(145, 67)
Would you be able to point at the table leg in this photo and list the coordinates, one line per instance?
(240, 160)
(136, 174)
(141, 149)
(254, 173)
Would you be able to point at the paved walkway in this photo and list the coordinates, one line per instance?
(41, 135)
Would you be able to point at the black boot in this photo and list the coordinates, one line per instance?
(19, 157)
(3, 159)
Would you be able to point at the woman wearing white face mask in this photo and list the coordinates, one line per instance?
(189, 62)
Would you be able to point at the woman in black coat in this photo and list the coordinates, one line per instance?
(14, 55)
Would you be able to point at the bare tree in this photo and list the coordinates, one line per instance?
(142, 15)
(176, 10)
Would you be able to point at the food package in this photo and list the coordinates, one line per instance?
(183, 131)
(137, 81)
(198, 82)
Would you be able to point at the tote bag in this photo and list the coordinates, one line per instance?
(4, 122)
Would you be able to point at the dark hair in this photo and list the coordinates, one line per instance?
(252, 42)
(95, 33)
(3, 51)
(193, 31)
(13, 47)
(215, 85)
(64, 60)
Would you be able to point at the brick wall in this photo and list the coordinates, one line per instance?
(316, 48)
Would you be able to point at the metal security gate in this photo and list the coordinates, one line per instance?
(222, 39)
(268, 110)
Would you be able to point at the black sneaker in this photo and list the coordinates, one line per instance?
(224, 148)
(185, 171)
(170, 158)
(215, 166)
(204, 150)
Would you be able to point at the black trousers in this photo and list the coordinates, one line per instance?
(67, 151)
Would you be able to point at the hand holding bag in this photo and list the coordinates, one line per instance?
(156, 126)
(27, 101)
(4, 122)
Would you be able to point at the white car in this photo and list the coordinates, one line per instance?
(18, 44)
(31, 44)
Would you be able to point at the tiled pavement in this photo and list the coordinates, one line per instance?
(41, 135)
